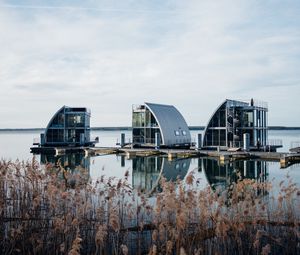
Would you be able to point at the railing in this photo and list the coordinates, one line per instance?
(143, 140)
(274, 142)
(260, 104)
(36, 140)
(253, 102)
(295, 144)
(138, 107)
(94, 139)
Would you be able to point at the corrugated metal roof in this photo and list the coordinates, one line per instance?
(173, 127)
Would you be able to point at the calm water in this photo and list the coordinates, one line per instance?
(146, 172)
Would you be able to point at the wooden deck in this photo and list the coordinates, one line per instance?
(285, 159)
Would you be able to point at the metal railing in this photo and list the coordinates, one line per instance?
(254, 102)
(138, 107)
(274, 142)
(294, 144)
(36, 140)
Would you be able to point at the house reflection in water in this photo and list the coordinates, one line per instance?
(77, 166)
(147, 172)
(221, 176)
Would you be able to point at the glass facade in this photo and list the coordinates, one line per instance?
(144, 126)
(232, 120)
(69, 126)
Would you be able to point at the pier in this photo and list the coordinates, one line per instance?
(285, 159)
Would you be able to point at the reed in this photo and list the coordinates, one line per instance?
(48, 210)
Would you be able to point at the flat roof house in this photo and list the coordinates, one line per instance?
(164, 121)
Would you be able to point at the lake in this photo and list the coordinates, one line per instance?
(145, 173)
(209, 212)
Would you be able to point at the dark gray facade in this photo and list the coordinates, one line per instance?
(69, 126)
(232, 120)
(151, 119)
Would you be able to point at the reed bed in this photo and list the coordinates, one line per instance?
(49, 210)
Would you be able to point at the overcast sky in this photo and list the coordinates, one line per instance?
(108, 55)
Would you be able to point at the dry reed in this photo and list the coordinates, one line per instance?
(52, 211)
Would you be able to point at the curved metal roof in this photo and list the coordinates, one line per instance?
(170, 120)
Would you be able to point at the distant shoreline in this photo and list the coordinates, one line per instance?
(129, 128)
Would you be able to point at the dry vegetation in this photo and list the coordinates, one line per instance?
(50, 211)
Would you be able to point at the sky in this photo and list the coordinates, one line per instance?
(108, 55)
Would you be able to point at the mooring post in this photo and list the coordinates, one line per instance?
(122, 143)
(42, 139)
(246, 140)
(199, 141)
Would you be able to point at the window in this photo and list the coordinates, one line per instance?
(176, 132)
(183, 132)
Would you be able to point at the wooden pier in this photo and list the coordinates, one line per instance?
(285, 159)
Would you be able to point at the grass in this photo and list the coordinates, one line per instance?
(48, 210)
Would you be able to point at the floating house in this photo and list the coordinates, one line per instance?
(70, 126)
(159, 125)
(231, 120)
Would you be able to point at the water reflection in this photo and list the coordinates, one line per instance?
(76, 167)
(147, 172)
(221, 175)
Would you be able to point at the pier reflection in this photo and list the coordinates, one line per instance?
(220, 175)
(148, 171)
(74, 168)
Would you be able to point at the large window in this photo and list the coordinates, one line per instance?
(138, 135)
(222, 137)
(55, 135)
(222, 114)
(75, 120)
(138, 119)
(58, 120)
(208, 138)
(248, 119)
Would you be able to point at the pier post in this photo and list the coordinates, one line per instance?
(122, 143)
(172, 155)
(246, 140)
(199, 141)
(42, 139)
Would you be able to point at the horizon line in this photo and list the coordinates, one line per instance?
(273, 127)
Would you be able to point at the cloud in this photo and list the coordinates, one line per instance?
(107, 56)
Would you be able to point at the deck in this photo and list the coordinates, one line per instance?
(285, 159)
